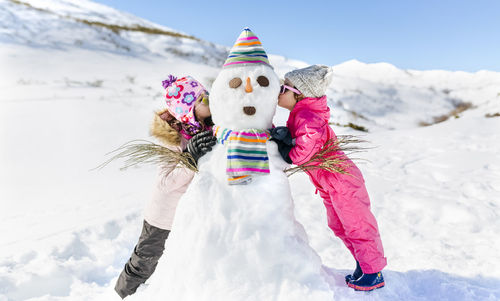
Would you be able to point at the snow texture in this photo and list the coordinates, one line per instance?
(66, 231)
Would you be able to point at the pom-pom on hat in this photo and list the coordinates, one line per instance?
(312, 81)
(181, 95)
(247, 50)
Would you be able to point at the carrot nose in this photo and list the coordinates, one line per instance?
(248, 87)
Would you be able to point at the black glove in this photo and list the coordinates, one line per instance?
(281, 135)
(200, 144)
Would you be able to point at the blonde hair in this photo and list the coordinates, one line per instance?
(298, 97)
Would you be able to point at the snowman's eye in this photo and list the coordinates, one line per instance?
(263, 81)
(235, 82)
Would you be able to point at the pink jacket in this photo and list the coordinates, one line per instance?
(308, 125)
(344, 195)
(171, 182)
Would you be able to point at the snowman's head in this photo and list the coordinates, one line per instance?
(245, 97)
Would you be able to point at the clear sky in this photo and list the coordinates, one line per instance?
(411, 34)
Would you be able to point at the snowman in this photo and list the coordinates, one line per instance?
(235, 236)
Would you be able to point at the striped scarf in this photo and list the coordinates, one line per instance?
(246, 153)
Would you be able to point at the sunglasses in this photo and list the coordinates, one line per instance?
(285, 87)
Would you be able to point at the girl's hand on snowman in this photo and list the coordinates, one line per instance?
(281, 135)
(200, 144)
(284, 150)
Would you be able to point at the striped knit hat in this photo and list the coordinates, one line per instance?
(247, 50)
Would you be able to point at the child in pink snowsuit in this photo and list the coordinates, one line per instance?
(344, 195)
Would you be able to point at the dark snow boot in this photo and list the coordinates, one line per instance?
(355, 276)
(143, 261)
(368, 282)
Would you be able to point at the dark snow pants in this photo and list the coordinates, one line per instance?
(143, 261)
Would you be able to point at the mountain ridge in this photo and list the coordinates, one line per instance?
(368, 96)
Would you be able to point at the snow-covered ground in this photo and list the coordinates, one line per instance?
(71, 92)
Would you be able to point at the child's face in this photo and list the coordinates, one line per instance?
(287, 100)
(201, 109)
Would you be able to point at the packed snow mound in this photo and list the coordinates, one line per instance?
(237, 217)
(237, 242)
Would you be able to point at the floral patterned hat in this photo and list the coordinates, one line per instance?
(181, 95)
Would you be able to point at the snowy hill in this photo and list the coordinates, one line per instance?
(79, 79)
(372, 96)
(88, 25)
(383, 95)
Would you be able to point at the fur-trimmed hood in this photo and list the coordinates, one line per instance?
(162, 131)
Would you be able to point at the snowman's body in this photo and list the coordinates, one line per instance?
(239, 242)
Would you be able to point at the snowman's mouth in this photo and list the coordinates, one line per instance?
(249, 110)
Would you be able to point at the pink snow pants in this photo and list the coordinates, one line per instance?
(348, 211)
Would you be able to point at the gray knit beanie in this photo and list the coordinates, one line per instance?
(312, 81)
